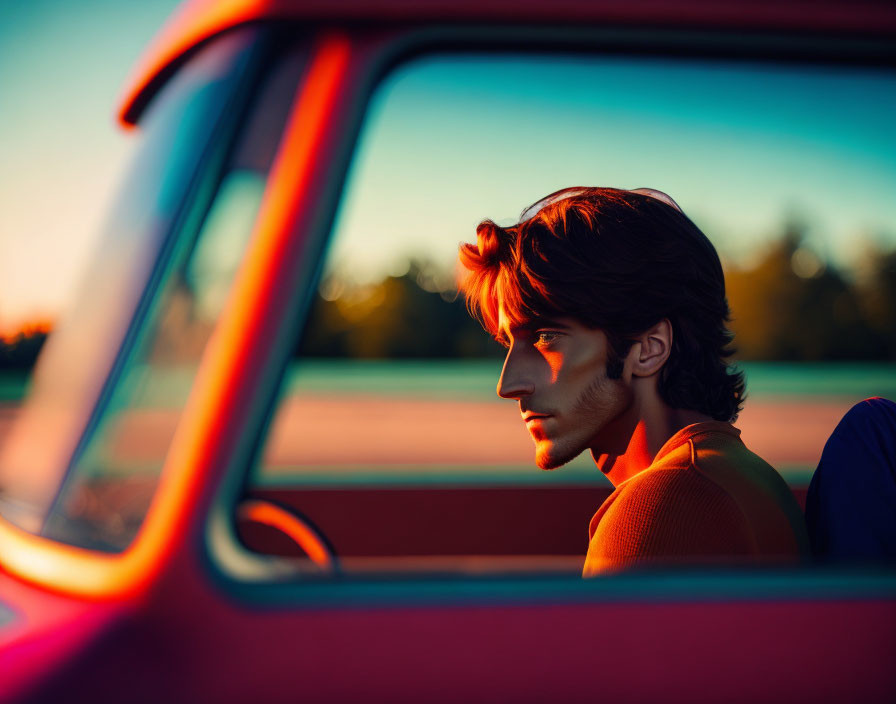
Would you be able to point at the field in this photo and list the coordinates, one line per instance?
(442, 422)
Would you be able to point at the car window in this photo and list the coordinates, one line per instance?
(389, 436)
(124, 360)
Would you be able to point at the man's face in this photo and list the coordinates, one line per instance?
(557, 370)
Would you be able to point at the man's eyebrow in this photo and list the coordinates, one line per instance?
(545, 322)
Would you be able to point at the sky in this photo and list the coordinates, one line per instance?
(62, 68)
(742, 148)
(451, 141)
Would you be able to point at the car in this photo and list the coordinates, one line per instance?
(190, 514)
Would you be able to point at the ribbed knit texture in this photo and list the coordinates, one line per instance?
(705, 500)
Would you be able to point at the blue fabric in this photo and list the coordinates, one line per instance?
(851, 504)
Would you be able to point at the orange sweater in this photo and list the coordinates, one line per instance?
(706, 499)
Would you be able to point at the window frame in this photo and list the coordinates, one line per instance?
(381, 52)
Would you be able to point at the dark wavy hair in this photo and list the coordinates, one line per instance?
(620, 261)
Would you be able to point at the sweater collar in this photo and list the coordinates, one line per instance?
(689, 432)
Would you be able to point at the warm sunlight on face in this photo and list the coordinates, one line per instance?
(557, 370)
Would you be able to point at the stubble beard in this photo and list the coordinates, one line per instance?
(602, 402)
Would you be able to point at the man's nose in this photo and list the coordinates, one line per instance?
(515, 382)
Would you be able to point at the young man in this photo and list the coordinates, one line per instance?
(612, 307)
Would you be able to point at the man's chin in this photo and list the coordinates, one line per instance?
(549, 458)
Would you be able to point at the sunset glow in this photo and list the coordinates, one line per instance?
(12, 334)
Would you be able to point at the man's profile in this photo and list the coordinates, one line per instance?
(612, 307)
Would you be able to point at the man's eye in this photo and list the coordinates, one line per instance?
(545, 337)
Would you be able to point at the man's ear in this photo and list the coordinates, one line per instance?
(652, 349)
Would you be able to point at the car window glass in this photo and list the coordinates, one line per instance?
(113, 476)
(389, 437)
(80, 354)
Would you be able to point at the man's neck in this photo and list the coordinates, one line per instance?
(650, 429)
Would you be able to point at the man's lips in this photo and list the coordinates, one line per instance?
(530, 416)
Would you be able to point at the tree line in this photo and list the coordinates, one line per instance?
(788, 304)
(792, 306)
(19, 351)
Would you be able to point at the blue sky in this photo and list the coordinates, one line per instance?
(740, 147)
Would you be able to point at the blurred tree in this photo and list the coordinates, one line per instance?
(877, 294)
(19, 351)
(791, 305)
(400, 317)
